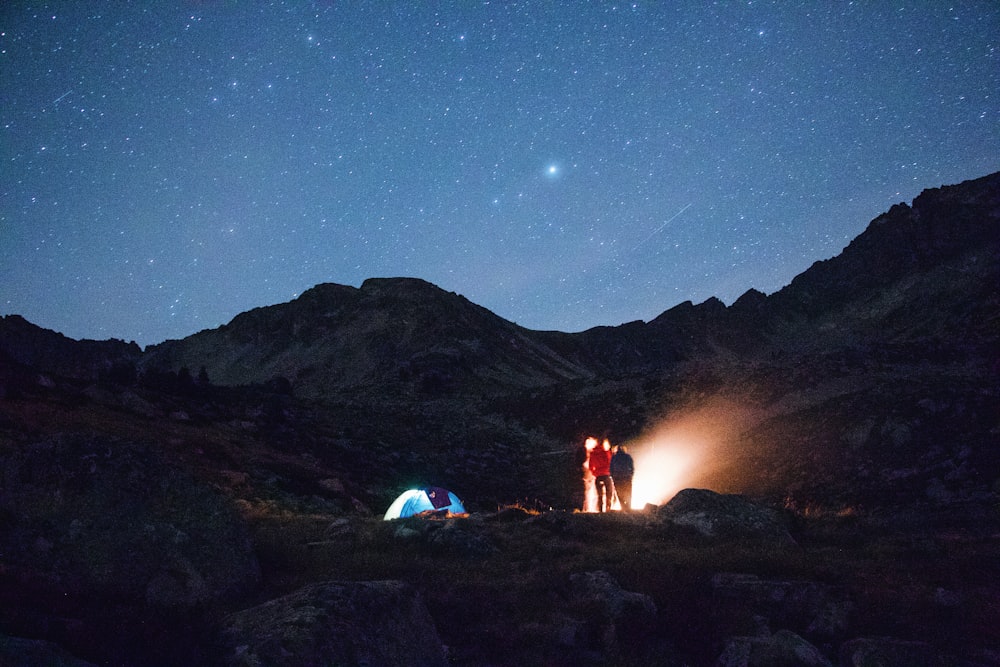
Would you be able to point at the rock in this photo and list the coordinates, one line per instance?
(886, 652)
(612, 615)
(453, 537)
(407, 534)
(599, 588)
(382, 623)
(782, 649)
(360, 508)
(564, 524)
(234, 477)
(511, 513)
(815, 608)
(137, 404)
(177, 584)
(725, 517)
(332, 485)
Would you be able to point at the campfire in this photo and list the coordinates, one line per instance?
(663, 464)
(688, 448)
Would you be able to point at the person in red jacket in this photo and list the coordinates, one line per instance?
(600, 466)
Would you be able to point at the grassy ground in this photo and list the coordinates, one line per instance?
(928, 579)
(505, 607)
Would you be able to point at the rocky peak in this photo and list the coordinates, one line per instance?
(941, 223)
(391, 334)
(43, 349)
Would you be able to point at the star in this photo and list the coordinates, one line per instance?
(344, 126)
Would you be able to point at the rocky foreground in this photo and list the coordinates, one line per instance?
(126, 563)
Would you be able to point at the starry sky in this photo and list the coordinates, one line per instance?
(165, 166)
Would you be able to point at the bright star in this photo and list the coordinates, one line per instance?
(552, 170)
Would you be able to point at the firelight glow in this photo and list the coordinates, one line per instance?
(662, 467)
(690, 447)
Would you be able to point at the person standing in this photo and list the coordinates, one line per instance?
(622, 470)
(600, 467)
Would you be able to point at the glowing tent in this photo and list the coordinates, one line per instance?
(432, 499)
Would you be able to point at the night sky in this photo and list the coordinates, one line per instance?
(168, 165)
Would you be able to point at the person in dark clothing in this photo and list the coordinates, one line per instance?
(622, 470)
(600, 466)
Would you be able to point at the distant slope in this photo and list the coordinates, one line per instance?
(925, 269)
(25, 344)
(395, 335)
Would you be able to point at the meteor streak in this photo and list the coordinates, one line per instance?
(660, 228)
(62, 96)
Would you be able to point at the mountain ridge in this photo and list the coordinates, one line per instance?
(898, 241)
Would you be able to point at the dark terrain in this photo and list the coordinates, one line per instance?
(218, 499)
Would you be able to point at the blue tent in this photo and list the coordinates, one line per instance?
(415, 501)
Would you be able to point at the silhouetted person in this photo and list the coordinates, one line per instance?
(622, 470)
(600, 466)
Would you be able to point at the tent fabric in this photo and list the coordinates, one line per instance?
(415, 501)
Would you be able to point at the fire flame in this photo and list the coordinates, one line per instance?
(694, 446)
(664, 464)
(690, 447)
(590, 493)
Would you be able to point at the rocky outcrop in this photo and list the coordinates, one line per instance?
(782, 649)
(889, 652)
(815, 609)
(92, 515)
(359, 624)
(940, 225)
(451, 536)
(24, 343)
(725, 516)
(607, 614)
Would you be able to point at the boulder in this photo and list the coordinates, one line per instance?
(782, 649)
(886, 652)
(371, 623)
(455, 538)
(447, 535)
(612, 615)
(815, 608)
(600, 590)
(725, 516)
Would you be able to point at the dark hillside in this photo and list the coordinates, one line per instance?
(395, 336)
(24, 343)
